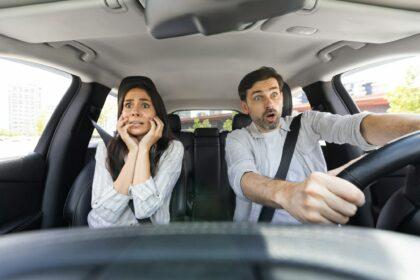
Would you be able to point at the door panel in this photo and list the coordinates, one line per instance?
(21, 187)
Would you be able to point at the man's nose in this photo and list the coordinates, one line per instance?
(269, 104)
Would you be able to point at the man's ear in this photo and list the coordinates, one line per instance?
(244, 107)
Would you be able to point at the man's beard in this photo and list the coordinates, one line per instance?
(265, 124)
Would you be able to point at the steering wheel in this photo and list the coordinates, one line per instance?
(391, 157)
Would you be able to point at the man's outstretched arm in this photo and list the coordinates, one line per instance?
(379, 129)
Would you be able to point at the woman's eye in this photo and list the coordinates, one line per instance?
(145, 105)
(127, 105)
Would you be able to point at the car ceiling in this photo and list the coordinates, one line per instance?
(200, 71)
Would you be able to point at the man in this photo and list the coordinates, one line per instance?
(309, 193)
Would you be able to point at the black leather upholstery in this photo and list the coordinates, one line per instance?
(209, 203)
(206, 159)
(174, 123)
(287, 101)
(187, 139)
(241, 120)
(227, 193)
(78, 205)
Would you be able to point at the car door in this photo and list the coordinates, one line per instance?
(29, 99)
(44, 134)
(389, 86)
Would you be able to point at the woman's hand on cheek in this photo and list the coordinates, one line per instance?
(154, 134)
(122, 128)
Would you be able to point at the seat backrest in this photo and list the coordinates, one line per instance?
(226, 190)
(210, 200)
(287, 101)
(187, 139)
(241, 120)
(77, 206)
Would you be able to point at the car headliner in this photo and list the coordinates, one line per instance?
(200, 71)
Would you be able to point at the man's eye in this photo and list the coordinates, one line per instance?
(274, 94)
(257, 98)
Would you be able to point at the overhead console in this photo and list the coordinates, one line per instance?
(169, 18)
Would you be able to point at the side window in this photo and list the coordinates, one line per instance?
(300, 101)
(192, 119)
(108, 117)
(389, 87)
(28, 96)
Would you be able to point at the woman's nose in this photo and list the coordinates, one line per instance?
(136, 113)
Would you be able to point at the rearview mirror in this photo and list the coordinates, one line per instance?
(174, 18)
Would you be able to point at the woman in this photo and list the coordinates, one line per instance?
(136, 172)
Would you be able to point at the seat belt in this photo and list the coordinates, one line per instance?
(104, 135)
(106, 138)
(267, 212)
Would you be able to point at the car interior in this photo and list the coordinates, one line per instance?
(108, 40)
(196, 52)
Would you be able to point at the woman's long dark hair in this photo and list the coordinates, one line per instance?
(116, 147)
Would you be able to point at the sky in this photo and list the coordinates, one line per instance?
(391, 74)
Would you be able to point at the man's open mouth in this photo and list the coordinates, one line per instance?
(271, 116)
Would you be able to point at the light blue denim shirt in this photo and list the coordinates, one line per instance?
(246, 151)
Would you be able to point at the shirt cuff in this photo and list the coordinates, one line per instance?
(145, 198)
(113, 201)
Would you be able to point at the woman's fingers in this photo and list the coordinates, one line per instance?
(121, 122)
(159, 128)
(152, 126)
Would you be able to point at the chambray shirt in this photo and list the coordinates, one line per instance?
(150, 199)
(247, 151)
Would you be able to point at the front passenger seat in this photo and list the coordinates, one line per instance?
(78, 202)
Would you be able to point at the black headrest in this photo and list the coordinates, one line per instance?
(241, 120)
(287, 101)
(206, 132)
(174, 122)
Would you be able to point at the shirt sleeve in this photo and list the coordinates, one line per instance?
(107, 204)
(337, 128)
(149, 196)
(239, 160)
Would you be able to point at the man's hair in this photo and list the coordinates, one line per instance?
(261, 74)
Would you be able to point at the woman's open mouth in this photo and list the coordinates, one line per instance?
(136, 123)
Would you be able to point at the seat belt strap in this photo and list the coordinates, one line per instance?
(267, 212)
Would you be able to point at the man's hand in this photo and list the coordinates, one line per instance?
(321, 198)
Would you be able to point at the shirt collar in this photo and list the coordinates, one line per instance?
(253, 130)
